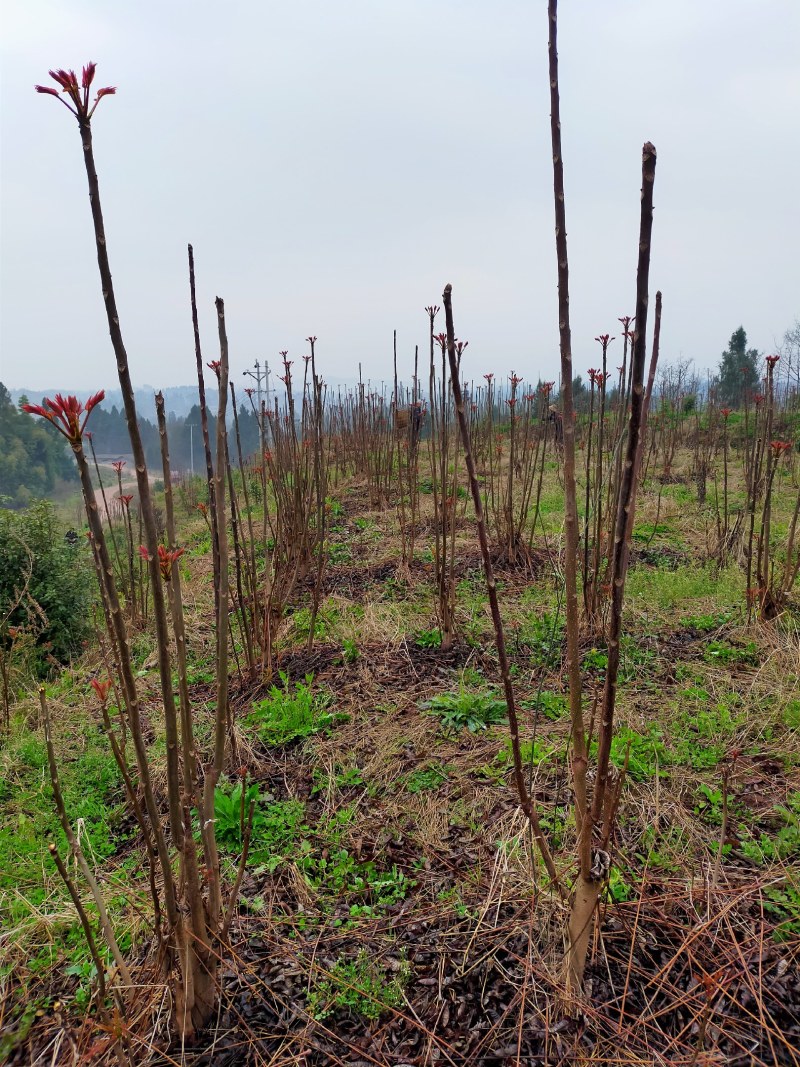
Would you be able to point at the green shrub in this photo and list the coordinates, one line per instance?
(49, 579)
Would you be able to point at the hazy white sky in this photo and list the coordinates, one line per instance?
(335, 164)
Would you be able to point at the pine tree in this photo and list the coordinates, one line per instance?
(738, 370)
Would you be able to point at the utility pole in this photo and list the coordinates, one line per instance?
(259, 375)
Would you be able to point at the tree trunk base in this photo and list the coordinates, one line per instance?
(584, 905)
(195, 999)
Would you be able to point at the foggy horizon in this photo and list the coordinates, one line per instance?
(335, 169)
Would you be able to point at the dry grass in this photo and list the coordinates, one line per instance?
(684, 969)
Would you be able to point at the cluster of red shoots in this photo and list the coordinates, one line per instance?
(78, 94)
(166, 557)
(65, 413)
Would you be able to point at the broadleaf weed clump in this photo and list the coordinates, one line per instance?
(291, 713)
(473, 711)
(276, 826)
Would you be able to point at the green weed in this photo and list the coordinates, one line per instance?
(663, 850)
(275, 829)
(343, 777)
(652, 589)
(534, 752)
(791, 715)
(703, 732)
(543, 637)
(645, 753)
(783, 904)
(707, 623)
(550, 705)
(338, 552)
(429, 638)
(783, 845)
(723, 652)
(595, 660)
(349, 650)
(301, 620)
(426, 778)
(618, 890)
(289, 714)
(336, 872)
(361, 986)
(475, 711)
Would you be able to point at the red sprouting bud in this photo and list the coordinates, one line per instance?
(215, 366)
(759, 399)
(101, 688)
(65, 78)
(725, 413)
(511, 401)
(78, 94)
(605, 339)
(165, 560)
(65, 413)
(779, 447)
(772, 360)
(489, 378)
(93, 401)
(37, 409)
(118, 465)
(546, 388)
(126, 499)
(514, 378)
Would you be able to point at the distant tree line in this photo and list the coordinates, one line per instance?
(34, 456)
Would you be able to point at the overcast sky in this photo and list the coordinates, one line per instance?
(335, 164)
